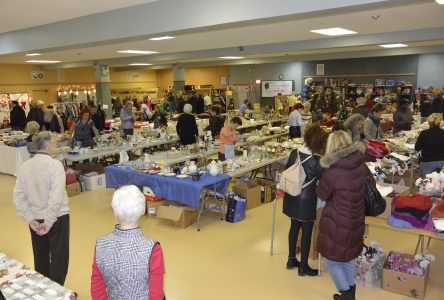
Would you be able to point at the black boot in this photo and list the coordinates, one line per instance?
(292, 263)
(307, 271)
(345, 295)
(353, 290)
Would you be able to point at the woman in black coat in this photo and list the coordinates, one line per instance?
(186, 126)
(302, 209)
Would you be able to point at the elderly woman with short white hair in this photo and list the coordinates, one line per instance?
(127, 265)
(186, 126)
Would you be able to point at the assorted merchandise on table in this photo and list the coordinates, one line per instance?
(17, 281)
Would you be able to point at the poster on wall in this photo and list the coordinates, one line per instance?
(22, 98)
(271, 88)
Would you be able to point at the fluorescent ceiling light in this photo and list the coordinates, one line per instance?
(140, 64)
(440, 1)
(33, 54)
(160, 38)
(393, 46)
(43, 61)
(137, 52)
(231, 57)
(333, 31)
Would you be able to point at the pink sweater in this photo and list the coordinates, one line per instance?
(157, 269)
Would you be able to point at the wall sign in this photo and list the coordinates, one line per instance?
(271, 88)
(133, 75)
(320, 69)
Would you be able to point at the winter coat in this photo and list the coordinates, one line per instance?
(342, 186)
(372, 130)
(303, 207)
(36, 114)
(18, 118)
(402, 121)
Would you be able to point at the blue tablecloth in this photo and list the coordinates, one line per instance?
(184, 190)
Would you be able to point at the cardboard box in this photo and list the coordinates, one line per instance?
(85, 168)
(403, 283)
(268, 189)
(250, 191)
(398, 190)
(153, 207)
(176, 214)
(94, 182)
(73, 189)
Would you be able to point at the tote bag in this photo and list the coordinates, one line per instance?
(374, 203)
(292, 180)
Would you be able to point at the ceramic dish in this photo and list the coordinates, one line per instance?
(181, 176)
(170, 174)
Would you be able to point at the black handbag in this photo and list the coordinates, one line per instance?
(374, 203)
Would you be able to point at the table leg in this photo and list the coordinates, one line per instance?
(202, 199)
(428, 243)
(422, 244)
(319, 264)
(411, 173)
(273, 220)
(366, 229)
(417, 244)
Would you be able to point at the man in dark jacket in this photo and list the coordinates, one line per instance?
(17, 116)
(36, 113)
(96, 118)
(362, 108)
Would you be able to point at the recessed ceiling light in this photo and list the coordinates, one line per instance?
(140, 64)
(440, 1)
(43, 61)
(137, 52)
(393, 46)
(160, 38)
(231, 57)
(333, 31)
(33, 54)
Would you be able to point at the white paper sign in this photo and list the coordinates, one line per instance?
(271, 88)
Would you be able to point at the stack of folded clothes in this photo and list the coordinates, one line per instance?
(438, 218)
(412, 211)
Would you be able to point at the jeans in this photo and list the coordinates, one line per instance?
(221, 156)
(343, 274)
(430, 167)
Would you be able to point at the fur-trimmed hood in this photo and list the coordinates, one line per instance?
(330, 159)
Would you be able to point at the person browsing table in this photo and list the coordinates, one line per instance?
(295, 121)
(228, 136)
(83, 129)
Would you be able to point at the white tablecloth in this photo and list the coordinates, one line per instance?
(11, 158)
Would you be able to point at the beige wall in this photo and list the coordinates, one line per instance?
(194, 76)
(17, 78)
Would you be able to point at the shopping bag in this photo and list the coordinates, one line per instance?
(236, 207)
(229, 151)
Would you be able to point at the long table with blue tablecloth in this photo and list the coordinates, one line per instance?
(183, 190)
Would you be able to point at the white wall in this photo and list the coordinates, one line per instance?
(431, 70)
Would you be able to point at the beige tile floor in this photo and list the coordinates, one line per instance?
(223, 261)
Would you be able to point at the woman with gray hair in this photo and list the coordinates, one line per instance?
(355, 127)
(186, 126)
(33, 128)
(127, 265)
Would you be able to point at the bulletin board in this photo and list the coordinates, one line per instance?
(271, 88)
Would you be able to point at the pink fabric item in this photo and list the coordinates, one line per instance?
(157, 270)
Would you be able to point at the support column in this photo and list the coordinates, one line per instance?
(103, 87)
(178, 78)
